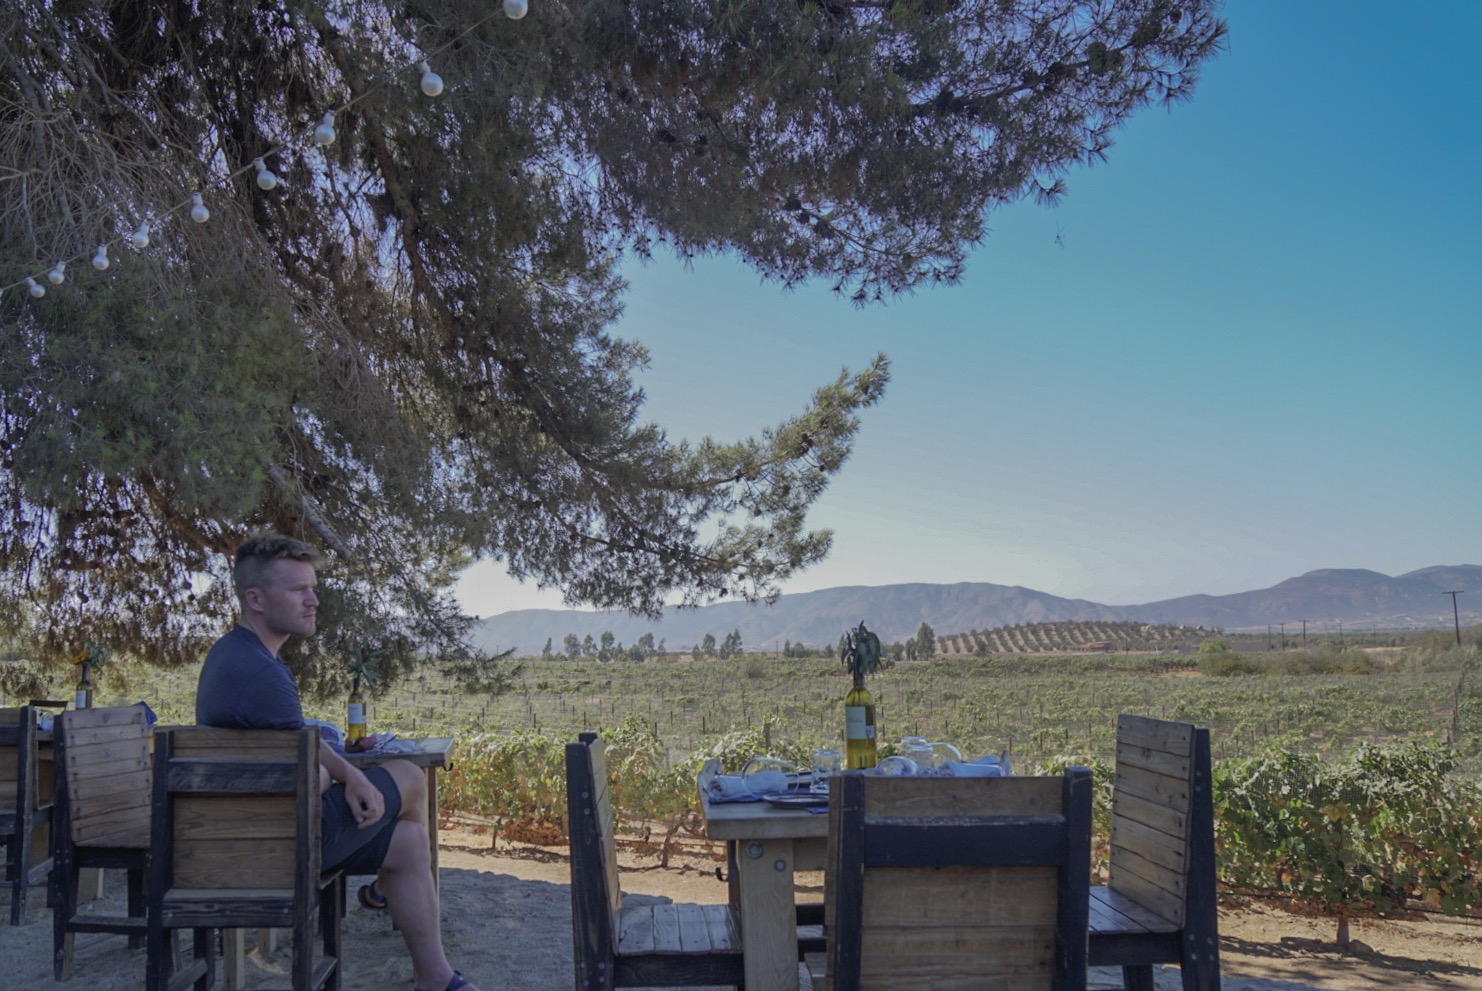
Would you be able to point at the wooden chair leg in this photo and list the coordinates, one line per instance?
(205, 951)
(138, 905)
(20, 872)
(64, 884)
(1138, 978)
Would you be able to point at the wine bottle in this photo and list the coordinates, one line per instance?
(84, 696)
(859, 726)
(355, 715)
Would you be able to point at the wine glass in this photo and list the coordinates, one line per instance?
(764, 776)
(826, 764)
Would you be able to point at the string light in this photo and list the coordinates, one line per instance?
(432, 83)
(324, 134)
(265, 178)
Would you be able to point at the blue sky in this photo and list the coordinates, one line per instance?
(1255, 351)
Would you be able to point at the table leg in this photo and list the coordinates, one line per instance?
(432, 823)
(769, 937)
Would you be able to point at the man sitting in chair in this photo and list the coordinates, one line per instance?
(374, 820)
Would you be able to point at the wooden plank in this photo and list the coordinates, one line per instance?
(602, 793)
(1161, 789)
(635, 930)
(958, 840)
(1113, 911)
(694, 933)
(1149, 845)
(929, 797)
(1157, 761)
(82, 738)
(225, 775)
(1151, 888)
(1171, 822)
(210, 741)
(956, 957)
(666, 930)
(969, 896)
(1156, 734)
(135, 820)
(256, 817)
(721, 921)
(127, 837)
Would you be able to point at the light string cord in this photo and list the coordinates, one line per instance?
(191, 199)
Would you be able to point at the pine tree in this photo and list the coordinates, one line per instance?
(403, 352)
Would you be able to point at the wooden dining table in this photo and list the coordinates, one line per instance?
(771, 845)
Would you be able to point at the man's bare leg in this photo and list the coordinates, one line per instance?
(411, 782)
(407, 876)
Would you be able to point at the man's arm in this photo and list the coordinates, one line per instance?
(366, 802)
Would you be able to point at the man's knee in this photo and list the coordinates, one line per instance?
(410, 780)
(409, 849)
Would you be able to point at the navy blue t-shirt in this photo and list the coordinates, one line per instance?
(245, 686)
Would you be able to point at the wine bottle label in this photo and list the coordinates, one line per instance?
(356, 714)
(81, 702)
(855, 725)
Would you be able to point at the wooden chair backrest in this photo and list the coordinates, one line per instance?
(1151, 813)
(589, 803)
(17, 758)
(240, 808)
(950, 884)
(103, 769)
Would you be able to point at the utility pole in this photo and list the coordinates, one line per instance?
(1283, 636)
(1456, 616)
(1304, 634)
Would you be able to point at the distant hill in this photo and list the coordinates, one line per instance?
(1322, 598)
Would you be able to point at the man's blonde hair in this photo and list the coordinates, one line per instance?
(257, 554)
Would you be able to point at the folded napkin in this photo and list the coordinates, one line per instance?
(720, 787)
(985, 767)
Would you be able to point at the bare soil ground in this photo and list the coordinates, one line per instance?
(506, 922)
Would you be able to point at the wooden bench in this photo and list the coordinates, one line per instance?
(632, 946)
(25, 806)
(104, 787)
(1159, 903)
(235, 845)
(957, 884)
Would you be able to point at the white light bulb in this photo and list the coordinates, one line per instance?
(57, 274)
(516, 9)
(140, 237)
(198, 211)
(36, 289)
(100, 260)
(265, 178)
(432, 83)
(324, 133)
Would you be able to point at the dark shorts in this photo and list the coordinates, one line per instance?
(342, 843)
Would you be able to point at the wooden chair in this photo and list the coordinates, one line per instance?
(949, 884)
(632, 946)
(25, 807)
(1159, 903)
(101, 820)
(235, 845)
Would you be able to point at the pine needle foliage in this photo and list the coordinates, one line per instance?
(403, 353)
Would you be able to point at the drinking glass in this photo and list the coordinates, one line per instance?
(826, 764)
(897, 767)
(766, 775)
(922, 753)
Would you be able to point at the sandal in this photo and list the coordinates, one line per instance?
(371, 898)
(457, 981)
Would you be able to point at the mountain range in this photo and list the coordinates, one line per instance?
(1352, 597)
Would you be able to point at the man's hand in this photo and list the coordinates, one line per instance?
(366, 802)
